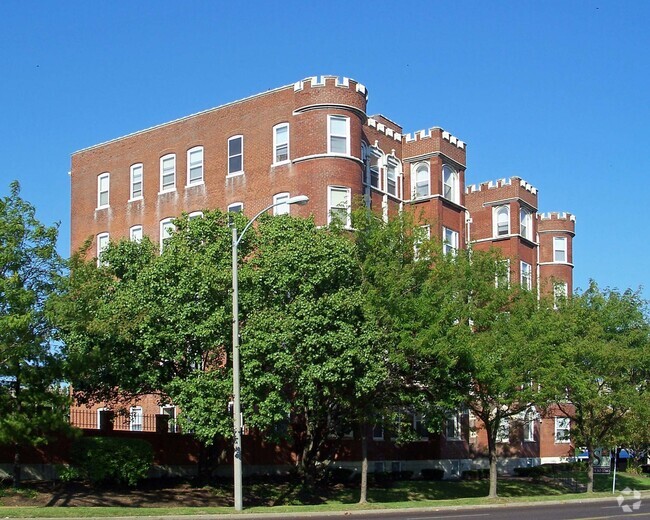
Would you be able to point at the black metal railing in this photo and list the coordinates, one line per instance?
(109, 420)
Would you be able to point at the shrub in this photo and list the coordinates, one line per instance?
(110, 460)
(433, 473)
(475, 474)
(338, 475)
(402, 475)
(530, 471)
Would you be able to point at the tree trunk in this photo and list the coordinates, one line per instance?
(590, 469)
(17, 468)
(363, 497)
(493, 468)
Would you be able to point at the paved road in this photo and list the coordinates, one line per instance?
(574, 510)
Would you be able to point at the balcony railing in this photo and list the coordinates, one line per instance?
(116, 421)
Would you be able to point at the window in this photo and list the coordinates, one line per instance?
(339, 135)
(525, 224)
(473, 429)
(374, 171)
(529, 426)
(453, 427)
(282, 207)
(195, 166)
(502, 277)
(136, 181)
(236, 207)
(195, 214)
(338, 204)
(102, 244)
(135, 234)
(378, 432)
(419, 428)
(562, 430)
(503, 433)
(103, 186)
(421, 180)
(281, 143)
(559, 249)
(166, 229)
(168, 173)
(450, 189)
(170, 412)
(560, 290)
(450, 241)
(501, 221)
(135, 423)
(391, 179)
(526, 275)
(236, 155)
(423, 233)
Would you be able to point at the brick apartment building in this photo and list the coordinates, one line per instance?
(315, 138)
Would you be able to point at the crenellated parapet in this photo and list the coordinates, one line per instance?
(502, 183)
(432, 132)
(325, 81)
(384, 129)
(556, 221)
(557, 215)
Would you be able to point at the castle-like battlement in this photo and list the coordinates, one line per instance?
(426, 134)
(500, 183)
(557, 215)
(380, 127)
(321, 81)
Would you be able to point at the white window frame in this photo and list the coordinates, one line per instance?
(278, 144)
(450, 184)
(374, 159)
(103, 239)
(195, 165)
(526, 224)
(136, 169)
(232, 207)
(449, 241)
(455, 421)
(473, 432)
(425, 235)
(331, 135)
(103, 188)
(136, 419)
(348, 207)
(166, 224)
(281, 209)
(562, 424)
(560, 247)
(560, 292)
(497, 211)
(172, 426)
(529, 426)
(503, 432)
(526, 275)
(99, 410)
(234, 173)
(378, 433)
(419, 172)
(418, 427)
(195, 214)
(169, 187)
(497, 281)
(135, 233)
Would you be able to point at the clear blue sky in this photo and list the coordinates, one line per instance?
(555, 92)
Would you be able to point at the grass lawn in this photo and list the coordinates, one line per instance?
(292, 497)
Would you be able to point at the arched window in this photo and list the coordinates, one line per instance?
(501, 221)
(450, 189)
(525, 224)
(421, 180)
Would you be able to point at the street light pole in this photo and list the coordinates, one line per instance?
(236, 387)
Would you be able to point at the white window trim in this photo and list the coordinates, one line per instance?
(195, 214)
(348, 222)
(99, 410)
(414, 179)
(529, 284)
(100, 178)
(567, 429)
(189, 154)
(455, 184)
(163, 226)
(564, 241)
(162, 160)
(330, 135)
(278, 198)
(275, 144)
(172, 426)
(457, 420)
(233, 205)
(241, 171)
(495, 221)
(375, 154)
(529, 426)
(450, 248)
(525, 215)
(133, 230)
(506, 261)
(139, 166)
(136, 411)
(100, 248)
(503, 432)
(419, 240)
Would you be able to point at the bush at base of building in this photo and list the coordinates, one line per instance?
(106, 460)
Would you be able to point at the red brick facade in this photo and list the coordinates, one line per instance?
(239, 153)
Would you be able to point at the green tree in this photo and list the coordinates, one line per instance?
(32, 405)
(598, 366)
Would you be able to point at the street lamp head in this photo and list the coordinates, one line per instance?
(301, 200)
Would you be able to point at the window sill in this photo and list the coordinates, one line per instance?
(164, 192)
(135, 199)
(236, 174)
(281, 163)
(194, 184)
(102, 207)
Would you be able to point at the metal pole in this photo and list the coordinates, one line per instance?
(237, 453)
(614, 477)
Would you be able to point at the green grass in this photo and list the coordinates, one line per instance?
(294, 498)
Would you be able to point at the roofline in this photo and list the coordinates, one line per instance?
(184, 118)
